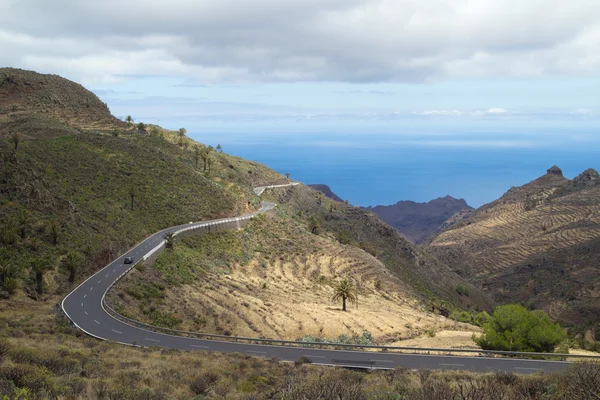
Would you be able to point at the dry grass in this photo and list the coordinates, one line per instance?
(278, 294)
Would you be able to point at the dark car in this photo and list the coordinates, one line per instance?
(128, 260)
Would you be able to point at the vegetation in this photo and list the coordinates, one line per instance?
(344, 290)
(514, 328)
(169, 241)
(39, 266)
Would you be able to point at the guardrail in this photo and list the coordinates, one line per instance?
(292, 343)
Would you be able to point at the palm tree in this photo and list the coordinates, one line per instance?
(219, 149)
(23, 219)
(181, 132)
(9, 276)
(72, 264)
(196, 154)
(16, 139)
(344, 290)
(287, 176)
(129, 120)
(314, 224)
(169, 240)
(39, 266)
(204, 154)
(54, 231)
(8, 233)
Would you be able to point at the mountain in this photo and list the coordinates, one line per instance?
(538, 244)
(419, 221)
(77, 183)
(326, 190)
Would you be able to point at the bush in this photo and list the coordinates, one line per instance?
(514, 328)
(462, 290)
(461, 316)
(33, 377)
(481, 318)
(582, 381)
(201, 384)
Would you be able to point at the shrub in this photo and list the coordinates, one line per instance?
(481, 318)
(4, 348)
(33, 377)
(582, 381)
(201, 384)
(462, 290)
(514, 328)
(461, 316)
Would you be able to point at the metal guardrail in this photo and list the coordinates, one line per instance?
(278, 342)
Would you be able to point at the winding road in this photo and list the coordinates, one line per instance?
(84, 307)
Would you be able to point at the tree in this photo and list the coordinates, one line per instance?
(129, 120)
(196, 154)
(54, 232)
(9, 276)
(287, 176)
(141, 127)
(132, 195)
(181, 132)
(39, 266)
(16, 139)
(169, 240)
(344, 290)
(23, 218)
(314, 225)
(72, 264)
(8, 233)
(219, 149)
(205, 155)
(514, 328)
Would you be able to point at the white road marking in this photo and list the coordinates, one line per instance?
(201, 347)
(152, 340)
(84, 296)
(106, 276)
(385, 361)
(81, 304)
(452, 365)
(533, 369)
(116, 331)
(97, 322)
(85, 312)
(92, 288)
(100, 281)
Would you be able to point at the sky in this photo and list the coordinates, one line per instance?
(459, 74)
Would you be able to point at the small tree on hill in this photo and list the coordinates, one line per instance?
(132, 196)
(23, 218)
(287, 176)
(314, 225)
(219, 149)
(344, 290)
(54, 232)
(514, 328)
(72, 263)
(141, 127)
(9, 276)
(129, 120)
(39, 266)
(169, 241)
(181, 132)
(16, 139)
(196, 155)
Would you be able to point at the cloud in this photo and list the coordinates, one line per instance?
(373, 92)
(302, 40)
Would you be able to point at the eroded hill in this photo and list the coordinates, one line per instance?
(537, 244)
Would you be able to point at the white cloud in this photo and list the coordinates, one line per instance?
(302, 40)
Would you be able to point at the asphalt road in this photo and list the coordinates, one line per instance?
(84, 307)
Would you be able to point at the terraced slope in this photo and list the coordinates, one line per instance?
(535, 237)
(274, 279)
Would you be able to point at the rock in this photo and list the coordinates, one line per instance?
(555, 171)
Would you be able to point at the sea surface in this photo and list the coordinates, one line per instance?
(380, 170)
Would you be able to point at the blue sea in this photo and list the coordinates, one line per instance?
(381, 169)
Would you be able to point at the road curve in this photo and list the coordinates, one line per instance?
(84, 307)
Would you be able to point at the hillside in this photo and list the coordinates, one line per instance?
(419, 221)
(75, 179)
(326, 190)
(537, 244)
(79, 187)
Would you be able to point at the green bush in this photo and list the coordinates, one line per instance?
(514, 328)
(481, 318)
(462, 290)
(461, 316)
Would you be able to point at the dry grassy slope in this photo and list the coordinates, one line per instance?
(415, 267)
(273, 279)
(67, 170)
(530, 245)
